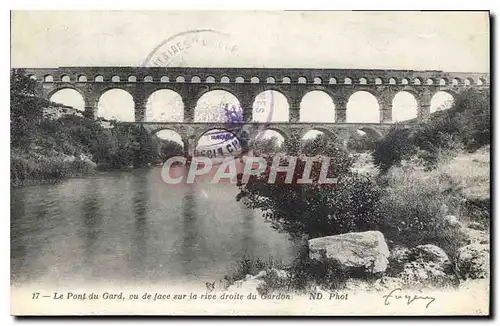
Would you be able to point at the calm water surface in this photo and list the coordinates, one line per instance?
(131, 227)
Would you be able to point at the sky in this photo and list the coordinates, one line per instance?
(448, 41)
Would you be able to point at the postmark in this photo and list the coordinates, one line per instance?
(178, 50)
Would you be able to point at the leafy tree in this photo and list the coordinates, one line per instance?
(396, 146)
(167, 148)
(315, 209)
(266, 146)
(467, 124)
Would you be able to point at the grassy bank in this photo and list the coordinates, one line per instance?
(51, 147)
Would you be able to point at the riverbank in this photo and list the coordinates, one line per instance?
(435, 233)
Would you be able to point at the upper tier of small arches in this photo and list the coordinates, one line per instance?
(269, 80)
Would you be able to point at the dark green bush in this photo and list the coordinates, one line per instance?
(41, 148)
(465, 125)
(316, 209)
(396, 146)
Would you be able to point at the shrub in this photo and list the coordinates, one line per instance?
(315, 209)
(301, 275)
(414, 204)
(41, 168)
(466, 125)
(396, 146)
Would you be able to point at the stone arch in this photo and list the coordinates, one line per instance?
(363, 107)
(148, 79)
(48, 78)
(392, 81)
(372, 132)
(216, 146)
(278, 130)
(317, 81)
(174, 134)
(286, 80)
(68, 96)
(443, 81)
(132, 79)
(210, 80)
(405, 81)
(417, 81)
(115, 79)
(254, 80)
(404, 106)
(270, 80)
(468, 81)
(180, 79)
(429, 81)
(456, 81)
(239, 80)
(480, 81)
(116, 103)
(164, 79)
(225, 80)
(332, 81)
(363, 81)
(347, 81)
(317, 103)
(363, 138)
(213, 103)
(378, 81)
(98, 78)
(271, 105)
(328, 132)
(442, 100)
(65, 79)
(164, 105)
(82, 78)
(302, 80)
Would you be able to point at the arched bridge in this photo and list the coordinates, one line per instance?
(247, 83)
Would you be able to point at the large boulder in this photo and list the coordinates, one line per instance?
(473, 261)
(430, 253)
(366, 250)
(428, 265)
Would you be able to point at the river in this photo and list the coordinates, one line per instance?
(131, 227)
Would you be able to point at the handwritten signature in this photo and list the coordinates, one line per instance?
(396, 294)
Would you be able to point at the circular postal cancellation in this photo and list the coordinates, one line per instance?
(211, 48)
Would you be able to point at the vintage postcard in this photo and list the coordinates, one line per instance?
(315, 163)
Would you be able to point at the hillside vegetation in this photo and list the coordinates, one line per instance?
(48, 149)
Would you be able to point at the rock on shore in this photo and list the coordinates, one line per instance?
(367, 250)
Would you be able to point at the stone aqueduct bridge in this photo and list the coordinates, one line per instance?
(246, 83)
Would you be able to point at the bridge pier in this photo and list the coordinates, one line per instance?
(424, 107)
(386, 114)
(90, 100)
(90, 112)
(341, 110)
(189, 146)
(246, 104)
(294, 110)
